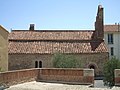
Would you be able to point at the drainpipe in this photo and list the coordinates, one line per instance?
(118, 39)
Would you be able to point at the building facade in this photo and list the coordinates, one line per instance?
(112, 39)
(35, 48)
(3, 49)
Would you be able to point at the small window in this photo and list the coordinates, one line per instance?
(36, 64)
(110, 38)
(112, 51)
(40, 64)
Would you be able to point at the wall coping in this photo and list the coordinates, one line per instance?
(20, 70)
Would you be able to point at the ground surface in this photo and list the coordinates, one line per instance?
(54, 86)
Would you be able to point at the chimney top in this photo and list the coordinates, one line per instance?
(100, 6)
(31, 27)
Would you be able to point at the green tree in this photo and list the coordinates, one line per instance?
(109, 68)
(65, 61)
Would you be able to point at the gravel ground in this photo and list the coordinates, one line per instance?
(54, 86)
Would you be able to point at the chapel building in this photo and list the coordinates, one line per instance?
(35, 48)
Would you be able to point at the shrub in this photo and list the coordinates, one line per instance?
(0, 69)
(65, 61)
(109, 68)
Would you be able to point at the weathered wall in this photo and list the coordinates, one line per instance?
(97, 60)
(3, 49)
(25, 61)
(117, 77)
(79, 76)
(19, 76)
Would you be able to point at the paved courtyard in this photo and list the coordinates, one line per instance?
(54, 86)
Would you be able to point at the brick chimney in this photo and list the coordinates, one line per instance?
(99, 24)
(31, 28)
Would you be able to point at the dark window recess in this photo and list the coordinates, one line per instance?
(110, 38)
(36, 64)
(92, 67)
(40, 64)
(112, 51)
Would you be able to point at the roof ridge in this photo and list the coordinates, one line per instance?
(53, 31)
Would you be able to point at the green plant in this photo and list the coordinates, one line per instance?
(109, 68)
(0, 69)
(65, 61)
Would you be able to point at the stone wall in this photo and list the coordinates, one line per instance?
(95, 59)
(117, 77)
(79, 76)
(26, 61)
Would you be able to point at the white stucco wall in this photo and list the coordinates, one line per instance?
(115, 45)
(3, 49)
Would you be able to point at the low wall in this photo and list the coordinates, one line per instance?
(74, 76)
(19, 76)
(117, 77)
(79, 76)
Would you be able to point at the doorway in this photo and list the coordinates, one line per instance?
(93, 66)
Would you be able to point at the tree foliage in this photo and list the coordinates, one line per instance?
(65, 61)
(109, 68)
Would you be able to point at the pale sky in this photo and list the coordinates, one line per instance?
(56, 14)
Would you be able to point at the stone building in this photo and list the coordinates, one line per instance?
(3, 49)
(35, 48)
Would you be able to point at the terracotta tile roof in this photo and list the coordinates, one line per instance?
(42, 47)
(111, 28)
(49, 42)
(50, 35)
